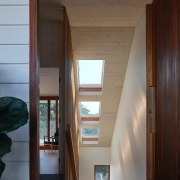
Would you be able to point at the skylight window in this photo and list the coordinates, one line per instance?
(90, 132)
(90, 135)
(90, 109)
(91, 74)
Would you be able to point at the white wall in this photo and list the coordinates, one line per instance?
(128, 154)
(14, 78)
(49, 81)
(90, 156)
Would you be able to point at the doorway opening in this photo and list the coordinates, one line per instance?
(50, 38)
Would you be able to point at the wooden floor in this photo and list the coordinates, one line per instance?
(49, 162)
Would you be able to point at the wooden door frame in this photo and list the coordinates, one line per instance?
(34, 173)
(34, 93)
(150, 121)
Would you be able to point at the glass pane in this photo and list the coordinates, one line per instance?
(52, 117)
(43, 116)
(102, 172)
(90, 72)
(90, 132)
(90, 108)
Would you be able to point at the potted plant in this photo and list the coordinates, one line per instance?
(13, 114)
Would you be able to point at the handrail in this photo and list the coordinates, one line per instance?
(70, 148)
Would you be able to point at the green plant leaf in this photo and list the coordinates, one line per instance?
(13, 114)
(2, 167)
(5, 144)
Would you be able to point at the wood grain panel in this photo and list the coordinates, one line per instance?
(177, 139)
(150, 67)
(167, 38)
(150, 46)
(72, 161)
(34, 92)
(14, 15)
(49, 97)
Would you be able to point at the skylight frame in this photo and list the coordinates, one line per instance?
(90, 89)
(90, 120)
(92, 139)
(90, 115)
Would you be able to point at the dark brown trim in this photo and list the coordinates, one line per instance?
(150, 55)
(48, 147)
(57, 115)
(150, 58)
(49, 97)
(49, 119)
(34, 92)
(90, 89)
(90, 139)
(90, 119)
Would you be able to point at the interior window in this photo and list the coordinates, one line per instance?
(53, 117)
(102, 172)
(43, 116)
(48, 115)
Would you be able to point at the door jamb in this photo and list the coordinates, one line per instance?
(34, 93)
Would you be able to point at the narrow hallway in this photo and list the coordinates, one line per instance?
(49, 165)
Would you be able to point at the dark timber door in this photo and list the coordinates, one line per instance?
(165, 140)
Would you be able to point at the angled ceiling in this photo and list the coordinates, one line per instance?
(104, 12)
(111, 44)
